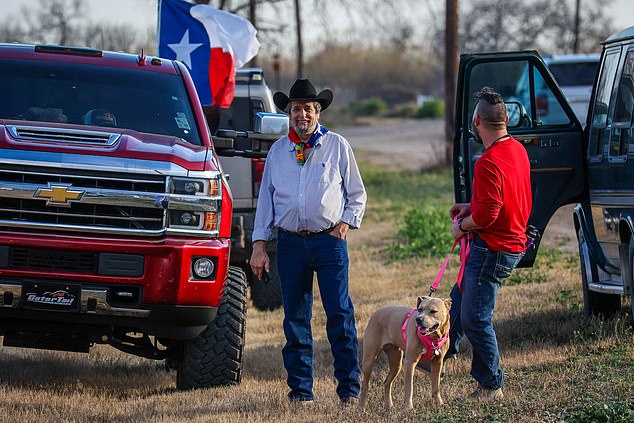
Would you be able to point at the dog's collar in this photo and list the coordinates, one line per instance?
(432, 345)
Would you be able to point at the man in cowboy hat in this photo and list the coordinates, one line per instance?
(311, 195)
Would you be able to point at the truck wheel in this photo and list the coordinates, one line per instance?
(594, 302)
(214, 358)
(267, 296)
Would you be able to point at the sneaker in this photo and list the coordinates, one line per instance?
(484, 394)
(349, 401)
(301, 403)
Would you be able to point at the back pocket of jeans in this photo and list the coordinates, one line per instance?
(502, 272)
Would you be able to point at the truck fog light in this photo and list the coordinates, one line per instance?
(203, 267)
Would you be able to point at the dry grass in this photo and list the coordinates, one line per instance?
(557, 363)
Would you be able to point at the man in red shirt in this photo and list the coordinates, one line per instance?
(497, 217)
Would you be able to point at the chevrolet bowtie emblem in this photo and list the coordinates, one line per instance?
(59, 195)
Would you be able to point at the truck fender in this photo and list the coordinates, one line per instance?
(585, 224)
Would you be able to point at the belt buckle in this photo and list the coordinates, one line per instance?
(304, 233)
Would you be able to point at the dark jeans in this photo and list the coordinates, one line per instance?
(297, 259)
(472, 310)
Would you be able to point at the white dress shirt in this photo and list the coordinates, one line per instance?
(326, 190)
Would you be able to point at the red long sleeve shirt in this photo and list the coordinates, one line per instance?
(502, 201)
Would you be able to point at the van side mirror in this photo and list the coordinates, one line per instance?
(518, 117)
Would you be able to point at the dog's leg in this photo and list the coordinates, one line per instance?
(408, 378)
(395, 358)
(436, 370)
(370, 355)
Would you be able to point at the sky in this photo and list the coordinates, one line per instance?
(142, 13)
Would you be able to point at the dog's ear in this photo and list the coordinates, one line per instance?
(419, 300)
(448, 303)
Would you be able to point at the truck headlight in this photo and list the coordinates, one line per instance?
(189, 186)
(186, 219)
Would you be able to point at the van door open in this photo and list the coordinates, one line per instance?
(540, 118)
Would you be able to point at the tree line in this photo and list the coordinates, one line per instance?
(393, 49)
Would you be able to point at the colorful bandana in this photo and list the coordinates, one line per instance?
(301, 147)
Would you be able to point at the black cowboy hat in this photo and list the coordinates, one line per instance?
(303, 90)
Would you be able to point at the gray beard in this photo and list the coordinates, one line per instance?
(302, 131)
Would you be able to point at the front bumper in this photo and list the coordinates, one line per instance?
(160, 296)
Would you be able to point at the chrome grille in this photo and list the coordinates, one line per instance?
(128, 207)
(75, 136)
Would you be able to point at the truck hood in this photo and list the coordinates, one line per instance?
(100, 141)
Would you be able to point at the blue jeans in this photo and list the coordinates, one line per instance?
(297, 259)
(472, 310)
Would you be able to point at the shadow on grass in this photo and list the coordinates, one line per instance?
(75, 372)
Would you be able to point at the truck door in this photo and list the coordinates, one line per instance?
(539, 118)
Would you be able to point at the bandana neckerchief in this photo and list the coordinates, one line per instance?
(301, 147)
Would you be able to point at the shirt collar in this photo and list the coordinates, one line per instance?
(315, 139)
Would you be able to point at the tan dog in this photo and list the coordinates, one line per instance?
(384, 333)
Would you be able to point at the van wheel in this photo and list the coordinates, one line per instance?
(594, 302)
(267, 296)
(214, 358)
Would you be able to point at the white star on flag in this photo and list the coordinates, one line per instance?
(184, 49)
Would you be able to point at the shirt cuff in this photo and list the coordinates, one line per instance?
(353, 221)
(262, 235)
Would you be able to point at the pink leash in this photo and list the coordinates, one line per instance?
(464, 255)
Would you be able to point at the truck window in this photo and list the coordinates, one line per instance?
(622, 122)
(81, 94)
(517, 81)
(599, 135)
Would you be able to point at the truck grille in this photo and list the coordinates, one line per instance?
(117, 211)
(42, 259)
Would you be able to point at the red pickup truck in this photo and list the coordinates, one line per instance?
(115, 216)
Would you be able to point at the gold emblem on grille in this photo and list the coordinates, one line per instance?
(59, 195)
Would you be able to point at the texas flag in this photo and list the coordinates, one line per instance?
(210, 42)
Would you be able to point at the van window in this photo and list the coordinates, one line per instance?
(598, 133)
(549, 111)
(622, 122)
(574, 74)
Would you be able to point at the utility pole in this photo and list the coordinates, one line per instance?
(252, 18)
(575, 46)
(451, 70)
(300, 48)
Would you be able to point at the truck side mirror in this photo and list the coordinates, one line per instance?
(271, 124)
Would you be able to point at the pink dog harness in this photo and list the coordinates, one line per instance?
(431, 348)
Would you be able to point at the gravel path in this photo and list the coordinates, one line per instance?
(409, 144)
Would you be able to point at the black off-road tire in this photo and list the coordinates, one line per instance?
(214, 358)
(267, 296)
(596, 303)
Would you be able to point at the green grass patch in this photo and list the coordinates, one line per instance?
(548, 260)
(391, 193)
(424, 232)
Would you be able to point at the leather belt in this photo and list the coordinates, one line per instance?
(305, 234)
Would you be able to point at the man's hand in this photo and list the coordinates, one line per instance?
(340, 230)
(460, 210)
(259, 259)
(456, 232)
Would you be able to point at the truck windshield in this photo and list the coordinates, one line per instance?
(80, 94)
